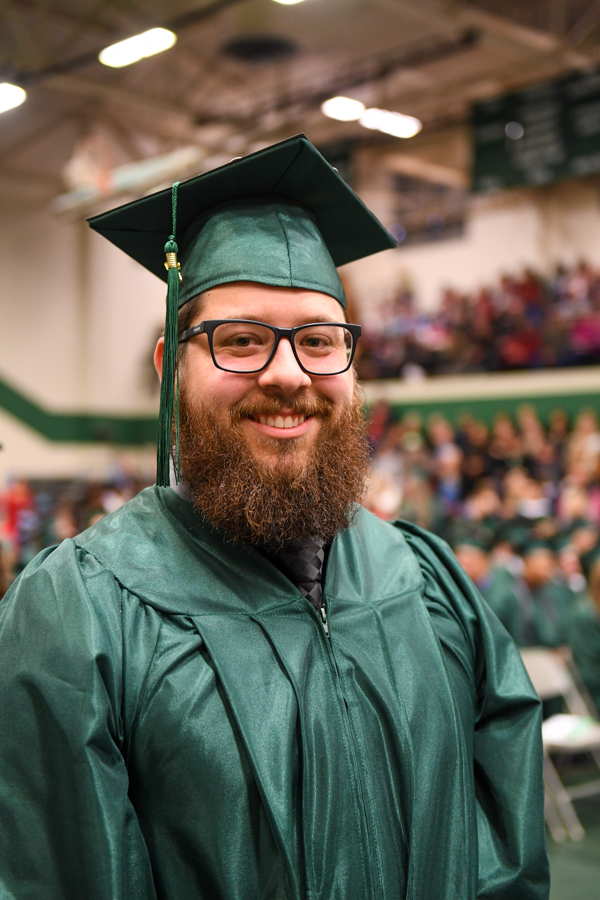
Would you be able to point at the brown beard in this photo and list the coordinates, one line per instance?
(271, 506)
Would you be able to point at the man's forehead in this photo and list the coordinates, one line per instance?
(249, 300)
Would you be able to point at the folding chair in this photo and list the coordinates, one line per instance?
(574, 733)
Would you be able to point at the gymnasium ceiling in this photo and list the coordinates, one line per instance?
(224, 89)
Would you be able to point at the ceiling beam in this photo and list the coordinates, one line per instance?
(64, 66)
(417, 167)
(584, 26)
(531, 38)
(71, 17)
(367, 71)
(557, 17)
(49, 126)
(168, 118)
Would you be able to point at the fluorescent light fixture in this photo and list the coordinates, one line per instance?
(137, 47)
(343, 108)
(11, 96)
(396, 124)
(289, 2)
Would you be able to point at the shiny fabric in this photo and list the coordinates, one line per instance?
(544, 613)
(176, 724)
(270, 243)
(499, 592)
(584, 640)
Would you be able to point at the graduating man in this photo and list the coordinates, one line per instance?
(245, 686)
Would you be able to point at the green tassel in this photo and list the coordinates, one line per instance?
(169, 388)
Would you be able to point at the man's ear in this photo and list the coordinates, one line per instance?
(158, 356)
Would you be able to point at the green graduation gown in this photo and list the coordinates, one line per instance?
(176, 723)
(499, 594)
(584, 640)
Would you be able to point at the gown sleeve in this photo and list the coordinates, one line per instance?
(68, 828)
(501, 716)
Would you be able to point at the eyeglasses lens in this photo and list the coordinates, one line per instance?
(322, 349)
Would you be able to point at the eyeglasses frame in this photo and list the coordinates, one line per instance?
(209, 325)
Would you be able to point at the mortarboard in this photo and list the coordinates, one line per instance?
(479, 542)
(533, 545)
(281, 216)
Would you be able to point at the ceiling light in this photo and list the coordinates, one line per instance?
(288, 2)
(392, 123)
(11, 96)
(343, 108)
(137, 47)
(514, 131)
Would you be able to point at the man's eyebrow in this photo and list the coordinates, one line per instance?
(309, 320)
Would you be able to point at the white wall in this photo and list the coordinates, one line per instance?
(26, 454)
(77, 315)
(537, 228)
(77, 320)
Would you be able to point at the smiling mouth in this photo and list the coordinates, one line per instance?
(281, 421)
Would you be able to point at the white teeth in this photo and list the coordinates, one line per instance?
(280, 422)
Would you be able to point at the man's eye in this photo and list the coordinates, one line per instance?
(245, 341)
(315, 342)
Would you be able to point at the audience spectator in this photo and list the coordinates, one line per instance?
(519, 503)
(584, 628)
(520, 323)
(39, 513)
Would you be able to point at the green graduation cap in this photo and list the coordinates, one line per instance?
(533, 545)
(282, 217)
(477, 541)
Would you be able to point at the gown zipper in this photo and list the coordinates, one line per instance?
(322, 614)
(323, 617)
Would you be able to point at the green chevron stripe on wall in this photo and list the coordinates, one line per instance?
(429, 398)
(80, 428)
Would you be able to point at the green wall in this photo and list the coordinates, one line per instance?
(486, 410)
(79, 427)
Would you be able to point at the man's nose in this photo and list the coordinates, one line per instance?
(283, 372)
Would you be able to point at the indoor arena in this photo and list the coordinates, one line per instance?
(299, 450)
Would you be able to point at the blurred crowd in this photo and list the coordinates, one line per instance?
(38, 513)
(518, 501)
(520, 323)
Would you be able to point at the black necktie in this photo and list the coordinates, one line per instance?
(304, 565)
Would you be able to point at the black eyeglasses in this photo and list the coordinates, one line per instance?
(242, 345)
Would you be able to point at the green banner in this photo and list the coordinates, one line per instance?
(78, 427)
(538, 135)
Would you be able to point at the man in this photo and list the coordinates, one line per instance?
(248, 687)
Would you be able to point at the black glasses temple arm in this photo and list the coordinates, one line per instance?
(190, 333)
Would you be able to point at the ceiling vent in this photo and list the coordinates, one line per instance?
(259, 49)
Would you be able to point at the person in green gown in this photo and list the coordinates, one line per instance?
(584, 627)
(241, 685)
(495, 584)
(545, 600)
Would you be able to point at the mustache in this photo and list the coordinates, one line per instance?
(320, 407)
